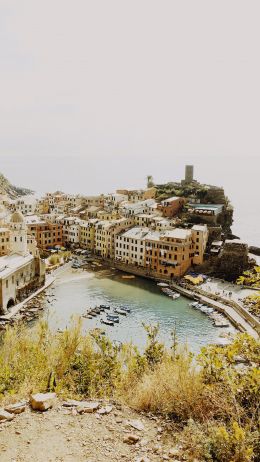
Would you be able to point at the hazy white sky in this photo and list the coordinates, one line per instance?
(96, 94)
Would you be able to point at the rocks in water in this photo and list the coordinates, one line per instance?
(5, 416)
(42, 401)
(88, 407)
(16, 408)
(131, 438)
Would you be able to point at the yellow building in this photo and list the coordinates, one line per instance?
(4, 241)
(87, 234)
(169, 254)
(200, 238)
(106, 232)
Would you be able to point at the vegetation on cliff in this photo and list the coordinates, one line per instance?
(12, 191)
(213, 402)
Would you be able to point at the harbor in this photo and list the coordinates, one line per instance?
(125, 305)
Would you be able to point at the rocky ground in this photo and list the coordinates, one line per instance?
(89, 432)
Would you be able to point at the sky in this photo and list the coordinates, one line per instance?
(97, 94)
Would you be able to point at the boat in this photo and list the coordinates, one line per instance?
(175, 296)
(113, 318)
(120, 311)
(96, 310)
(107, 321)
(162, 284)
(128, 277)
(106, 307)
(125, 308)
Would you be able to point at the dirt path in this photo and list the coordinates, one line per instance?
(63, 435)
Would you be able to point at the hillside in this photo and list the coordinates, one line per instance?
(10, 190)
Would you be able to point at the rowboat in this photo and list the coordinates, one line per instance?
(120, 311)
(106, 321)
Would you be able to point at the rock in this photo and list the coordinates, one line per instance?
(88, 407)
(105, 410)
(173, 452)
(131, 438)
(42, 401)
(142, 459)
(16, 408)
(4, 415)
(136, 424)
(71, 403)
(157, 449)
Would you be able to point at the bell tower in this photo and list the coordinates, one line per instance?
(18, 234)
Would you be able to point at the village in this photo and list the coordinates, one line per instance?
(134, 229)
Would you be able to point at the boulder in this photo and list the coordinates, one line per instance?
(42, 401)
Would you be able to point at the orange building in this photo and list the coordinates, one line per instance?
(170, 253)
(170, 207)
(47, 234)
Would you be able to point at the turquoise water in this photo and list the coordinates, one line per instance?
(74, 293)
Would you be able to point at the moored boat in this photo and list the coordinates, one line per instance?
(120, 311)
(106, 321)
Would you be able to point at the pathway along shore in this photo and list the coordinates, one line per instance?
(238, 316)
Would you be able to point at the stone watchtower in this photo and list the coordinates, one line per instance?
(18, 234)
(189, 173)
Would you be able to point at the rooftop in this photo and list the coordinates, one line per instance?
(10, 263)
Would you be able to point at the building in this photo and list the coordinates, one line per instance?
(46, 233)
(130, 246)
(21, 271)
(169, 254)
(87, 234)
(4, 241)
(129, 209)
(171, 207)
(205, 213)
(200, 236)
(105, 236)
(189, 169)
(26, 205)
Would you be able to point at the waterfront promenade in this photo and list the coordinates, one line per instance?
(237, 320)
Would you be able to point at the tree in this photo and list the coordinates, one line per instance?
(150, 181)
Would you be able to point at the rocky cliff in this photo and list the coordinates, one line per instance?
(11, 191)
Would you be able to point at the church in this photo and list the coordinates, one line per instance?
(21, 269)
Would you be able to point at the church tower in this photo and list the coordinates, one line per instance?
(18, 234)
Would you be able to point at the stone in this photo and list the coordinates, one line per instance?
(4, 415)
(16, 408)
(105, 410)
(131, 438)
(42, 401)
(87, 407)
(173, 452)
(142, 459)
(71, 403)
(136, 424)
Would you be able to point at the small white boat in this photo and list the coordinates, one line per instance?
(106, 321)
(162, 284)
(120, 311)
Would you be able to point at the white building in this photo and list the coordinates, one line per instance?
(22, 270)
(130, 246)
(26, 205)
(128, 209)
